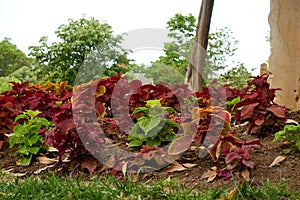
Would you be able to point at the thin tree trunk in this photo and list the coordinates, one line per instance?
(197, 61)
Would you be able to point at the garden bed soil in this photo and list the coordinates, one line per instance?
(288, 170)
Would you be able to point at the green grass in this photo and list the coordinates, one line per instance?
(54, 187)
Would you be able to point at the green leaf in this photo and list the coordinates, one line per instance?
(153, 142)
(172, 123)
(286, 151)
(141, 109)
(34, 139)
(23, 150)
(33, 150)
(26, 160)
(43, 122)
(154, 122)
(233, 102)
(32, 113)
(19, 129)
(58, 103)
(12, 141)
(153, 103)
(143, 121)
(22, 116)
(279, 136)
(135, 143)
(298, 144)
(170, 109)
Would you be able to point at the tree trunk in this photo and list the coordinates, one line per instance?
(284, 61)
(197, 60)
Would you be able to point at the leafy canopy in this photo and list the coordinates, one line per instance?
(11, 58)
(177, 52)
(84, 40)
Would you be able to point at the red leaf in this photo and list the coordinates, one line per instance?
(224, 115)
(66, 125)
(9, 106)
(135, 84)
(248, 163)
(246, 155)
(277, 110)
(1, 144)
(248, 111)
(226, 147)
(231, 156)
(260, 120)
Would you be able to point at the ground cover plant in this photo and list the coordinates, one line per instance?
(193, 117)
(290, 133)
(29, 135)
(256, 105)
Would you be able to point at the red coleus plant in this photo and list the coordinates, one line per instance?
(30, 97)
(257, 105)
(241, 156)
(210, 128)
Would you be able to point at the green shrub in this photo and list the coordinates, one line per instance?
(28, 135)
(152, 127)
(5, 85)
(290, 133)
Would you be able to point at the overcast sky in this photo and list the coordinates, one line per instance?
(26, 21)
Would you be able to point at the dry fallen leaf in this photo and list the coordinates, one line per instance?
(52, 149)
(277, 160)
(209, 175)
(291, 121)
(124, 168)
(13, 174)
(9, 135)
(246, 174)
(189, 165)
(175, 167)
(45, 160)
(90, 164)
(231, 194)
(43, 169)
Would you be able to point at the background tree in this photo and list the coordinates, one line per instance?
(85, 40)
(236, 77)
(182, 29)
(11, 58)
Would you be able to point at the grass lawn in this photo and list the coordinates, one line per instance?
(51, 186)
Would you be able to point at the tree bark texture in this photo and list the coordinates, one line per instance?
(197, 61)
(284, 61)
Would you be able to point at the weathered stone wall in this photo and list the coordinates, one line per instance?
(284, 61)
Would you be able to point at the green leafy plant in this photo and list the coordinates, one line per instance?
(290, 133)
(28, 136)
(236, 77)
(5, 84)
(152, 127)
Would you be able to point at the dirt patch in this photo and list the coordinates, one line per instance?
(288, 170)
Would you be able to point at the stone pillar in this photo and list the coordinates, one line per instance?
(284, 61)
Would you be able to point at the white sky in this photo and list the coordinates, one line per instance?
(26, 21)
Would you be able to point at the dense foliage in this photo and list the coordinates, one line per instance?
(11, 58)
(257, 105)
(28, 135)
(221, 45)
(85, 117)
(81, 42)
